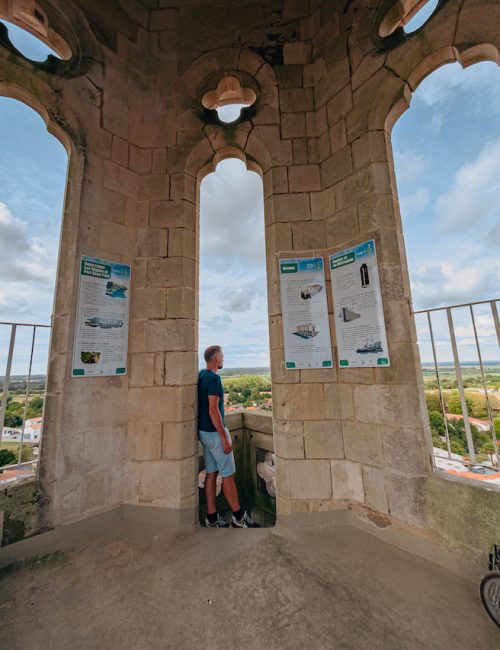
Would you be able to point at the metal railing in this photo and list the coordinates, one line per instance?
(14, 329)
(471, 312)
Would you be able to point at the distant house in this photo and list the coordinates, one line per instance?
(32, 429)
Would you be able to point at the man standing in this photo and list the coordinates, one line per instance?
(217, 444)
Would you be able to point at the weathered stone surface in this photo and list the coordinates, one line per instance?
(323, 439)
(347, 480)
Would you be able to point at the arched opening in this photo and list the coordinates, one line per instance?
(447, 157)
(233, 314)
(409, 14)
(33, 171)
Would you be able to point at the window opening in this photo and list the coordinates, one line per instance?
(33, 172)
(422, 15)
(233, 314)
(446, 161)
(31, 46)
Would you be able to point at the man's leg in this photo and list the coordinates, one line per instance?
(210, 492)
(230, 492)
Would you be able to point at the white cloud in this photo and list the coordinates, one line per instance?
(27, 269)
(232, 218)
(409, 165)
(448, 283)
(223, 320)
(415, 203)
(473, 200)
(240, 298)
(442, 85)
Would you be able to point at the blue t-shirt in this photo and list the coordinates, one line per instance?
(209, 383)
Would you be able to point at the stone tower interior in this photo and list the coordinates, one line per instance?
(133, 99)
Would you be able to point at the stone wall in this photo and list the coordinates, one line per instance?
(127, 106)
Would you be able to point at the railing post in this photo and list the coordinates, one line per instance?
(441, 399)
(6, 381)
(458, 372)
(28, 385)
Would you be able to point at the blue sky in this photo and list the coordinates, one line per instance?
(447, 159)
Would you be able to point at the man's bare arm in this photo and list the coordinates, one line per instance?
(215, 416)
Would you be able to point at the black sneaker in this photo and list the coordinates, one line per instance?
(220, 523)
(245, 522)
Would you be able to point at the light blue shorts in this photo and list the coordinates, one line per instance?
(213, 451)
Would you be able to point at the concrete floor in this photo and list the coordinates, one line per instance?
(270, 588)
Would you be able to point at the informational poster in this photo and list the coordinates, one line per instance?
(101, 334)
(357, 306)
(306, 330)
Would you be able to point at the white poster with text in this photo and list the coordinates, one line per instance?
(357, 307)
(306, 330)
(101, 330)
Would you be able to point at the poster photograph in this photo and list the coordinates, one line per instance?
(101, 329)
(357, 306)
(306, 330)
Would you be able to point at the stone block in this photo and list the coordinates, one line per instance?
(140, 159)
(374, 484)
(167, 483)
(338, 136)
(170, 335)
(363, 442)
(323, 204)
(159, 369)
(304, 479)
(293, 100)
(159, 163)
(293, 125)
(300, 151)
(304, 178)
(332, 83)
(141, 369)
(152, 242)
(291, 207)
(162, 19)
(148, 303)
(179, 440)
(115, 238)
(386, 404)
(162, 404)
(95, 491)
(347, 480)
(120, 180)
(323, 439)
(297, 53)
(405, 497)
(373, 146)
(173, 214)
(154, 187)
(339, 105)
(288, 439)
(119, 151)
(181, 368)
(338, 166)
(308, 235)
(182, 303)
(171, 272)
(289, 76)
(299, 401)
(275, 181)
(342, 228)
(407, 450)
(181, 243)
(339, 402)
(144, 441)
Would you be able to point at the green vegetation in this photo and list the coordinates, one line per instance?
(248, 390)
(9, 449)
(471, 376)
(15, 409)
